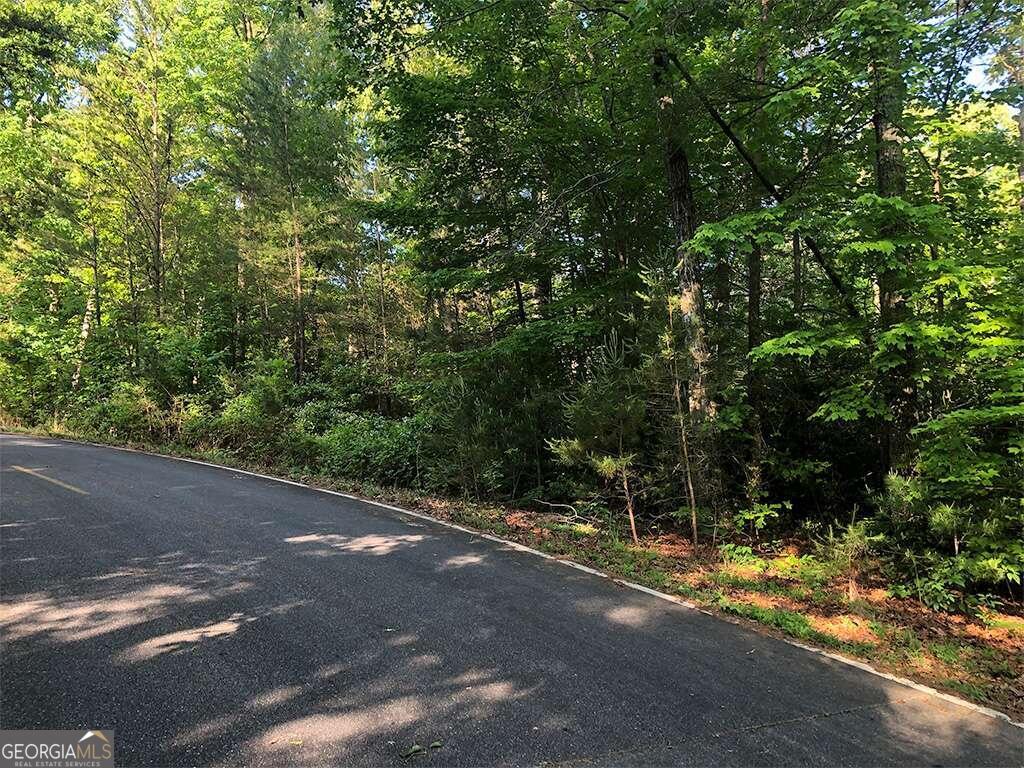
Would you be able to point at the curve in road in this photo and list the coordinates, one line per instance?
(211, 617)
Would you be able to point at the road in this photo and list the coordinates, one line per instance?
(215, 618)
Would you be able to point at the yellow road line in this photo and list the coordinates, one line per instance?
(41, 476)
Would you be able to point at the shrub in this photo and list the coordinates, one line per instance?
(945, 550)
(847, 550)
(130, 413)
(301, 450)
(315, 417)
(371, 448)
(253, 419)
(190, 420)
(741, 554)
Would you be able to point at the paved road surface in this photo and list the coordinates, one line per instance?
(214, 618)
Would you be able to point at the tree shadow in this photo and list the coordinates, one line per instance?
(287, 627)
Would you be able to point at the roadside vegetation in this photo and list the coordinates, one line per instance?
(829, 592)
(727, 299)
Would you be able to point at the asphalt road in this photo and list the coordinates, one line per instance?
(214, 618)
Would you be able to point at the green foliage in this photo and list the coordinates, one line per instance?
(131, 413)
(848, 551)
(947, 551)
(792, 623)
(365, 446)
(758, 517)
(807, 569)
(511, 254)
(741, 554)
(254, 417)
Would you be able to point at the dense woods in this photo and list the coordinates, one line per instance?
(745, 270)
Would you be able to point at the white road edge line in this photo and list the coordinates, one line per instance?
(530, 550)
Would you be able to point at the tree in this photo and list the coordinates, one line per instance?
(393, 240)
(289, 148)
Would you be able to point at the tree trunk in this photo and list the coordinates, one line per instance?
(755, 397)
(83, 339)
(520, 305)
(754, 260)
(690, 300)
(157, 266)
(160, 163)
(299, 349)
(311, 346)
(299, 320)
(490, 316)
(684, 442)
(798, 275)
(381, 295)
(697, 454)
(1020, 151)
(378, 231)
(544, 289)
(629, 506)
(238, 343)
(136, 362)
(96, 278)
(893, 277)
(721, 293)
(510, 246)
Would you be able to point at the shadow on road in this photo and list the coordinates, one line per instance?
(237, 629)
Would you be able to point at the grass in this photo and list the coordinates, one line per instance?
(1012, 624)
(795, 625)
(788, 593)
(764, 586)
(966, 689)
(947, 652)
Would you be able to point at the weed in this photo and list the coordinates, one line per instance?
(968, 689)
(947, 652)
(790, 622)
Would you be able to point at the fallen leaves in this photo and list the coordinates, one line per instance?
(419, 749)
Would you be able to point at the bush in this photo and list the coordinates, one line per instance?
(191, 420)
(944, 550)
(130, 413)
(847, 551)
(301, 450)
(371, 448)
(315, 417)
(253, 420)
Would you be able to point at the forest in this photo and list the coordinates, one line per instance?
(747, 273)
